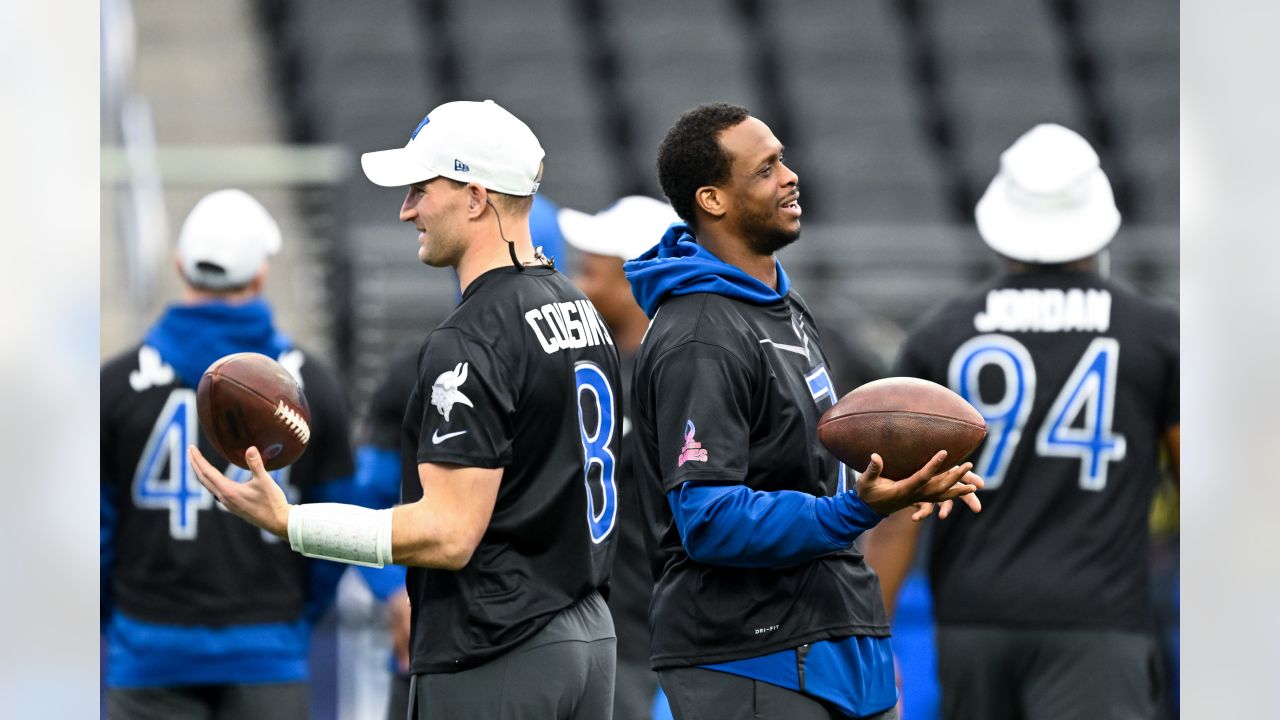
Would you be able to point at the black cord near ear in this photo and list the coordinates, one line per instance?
(511, 247)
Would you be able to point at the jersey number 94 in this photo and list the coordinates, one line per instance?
(1078, 424)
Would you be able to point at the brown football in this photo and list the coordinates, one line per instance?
(906, 421)
(247, 399)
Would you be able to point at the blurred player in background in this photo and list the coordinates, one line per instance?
(510, 444)
(604, 240)
(763, 607)
(1043, 602)
(207, 617)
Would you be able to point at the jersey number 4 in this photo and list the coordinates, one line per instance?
(1078, 424)
(165, 480)
(591, 381)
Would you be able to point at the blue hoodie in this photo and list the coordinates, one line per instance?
(788, 527)
(678, 265)
(192, 337)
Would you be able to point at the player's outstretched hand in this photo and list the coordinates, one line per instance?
(258, 499)
(928, 485)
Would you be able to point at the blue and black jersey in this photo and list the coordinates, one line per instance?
(1077, 377)
(729, 392)
(524, 376)
(191, 593)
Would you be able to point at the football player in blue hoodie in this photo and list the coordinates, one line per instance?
(205, 616)
(763, 606)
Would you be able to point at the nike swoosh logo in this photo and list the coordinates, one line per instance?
(437, 438)
(789, 348)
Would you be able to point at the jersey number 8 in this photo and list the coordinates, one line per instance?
(595, 444)
(1088, 395)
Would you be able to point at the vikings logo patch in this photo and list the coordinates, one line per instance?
(446, 392)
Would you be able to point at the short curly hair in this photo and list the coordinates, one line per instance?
(690, 156)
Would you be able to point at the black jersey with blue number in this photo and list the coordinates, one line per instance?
(179, 557)
(1077, 377)
(730, 392)
(524, 376)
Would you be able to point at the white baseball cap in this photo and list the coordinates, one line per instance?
(466, 141)
(225, 240)
(1050, 202)
(623, 230)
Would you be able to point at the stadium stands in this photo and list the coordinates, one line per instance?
(894, 113)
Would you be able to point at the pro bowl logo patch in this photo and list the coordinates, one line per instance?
(692, 449)
(446, 392)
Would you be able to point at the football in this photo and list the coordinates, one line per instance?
(247, 399)
(906, 421)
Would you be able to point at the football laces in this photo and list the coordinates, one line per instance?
(294, 421)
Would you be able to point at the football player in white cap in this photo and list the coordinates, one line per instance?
(1043, 601)
(510, 447)
(205, 616)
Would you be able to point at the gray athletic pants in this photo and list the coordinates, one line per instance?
(267, 701)
(699, 694)
(564, 672)
(635, 688)
(991, 673)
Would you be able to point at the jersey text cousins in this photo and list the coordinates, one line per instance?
(568, 325)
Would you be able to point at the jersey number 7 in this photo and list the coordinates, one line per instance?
(1078, 424)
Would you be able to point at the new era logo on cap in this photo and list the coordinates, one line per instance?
(460, 166)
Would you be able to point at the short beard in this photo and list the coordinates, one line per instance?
(765, 239)
(772, 240)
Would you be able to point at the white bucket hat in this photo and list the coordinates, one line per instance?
(623, 230)
(466, 141)
(1050, 202)
(225, 240)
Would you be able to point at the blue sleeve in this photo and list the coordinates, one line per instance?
(378, 478)
(385, 581)
(378, 475)
(322, 587)
(106, 551)
(736, 526)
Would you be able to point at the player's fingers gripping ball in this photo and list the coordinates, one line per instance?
(249, 400)
(904, 420)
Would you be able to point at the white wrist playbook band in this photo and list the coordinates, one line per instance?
(346, 533)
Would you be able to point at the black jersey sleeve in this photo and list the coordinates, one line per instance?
(702, 407)
(468, 402)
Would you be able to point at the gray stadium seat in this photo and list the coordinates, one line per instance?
(672, 56)
(992, 32)
(1135, 45)
(867, 30)
(989, 112)
(530, 58)
(869, 172)
(897, 271)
